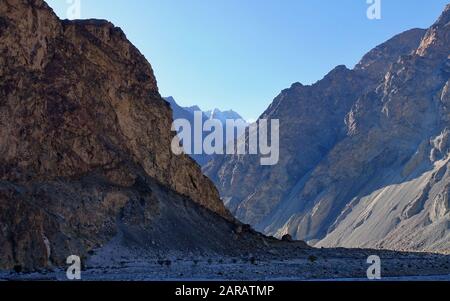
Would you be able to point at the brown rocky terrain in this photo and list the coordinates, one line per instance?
(85, 148)
(363, 153)
(86, 167)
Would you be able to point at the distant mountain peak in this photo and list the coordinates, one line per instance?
(210, 114)
(193, 108)
(223, 115)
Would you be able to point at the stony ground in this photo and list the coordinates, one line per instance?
(321, 264)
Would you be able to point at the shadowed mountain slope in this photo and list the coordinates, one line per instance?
(363, 153)
(85, 149)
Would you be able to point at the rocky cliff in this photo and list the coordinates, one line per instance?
(364, 153)
(85, 147)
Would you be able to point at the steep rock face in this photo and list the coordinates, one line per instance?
(408, 186)
(402, 214)
(255, 190)
(84, 137)
(223, 115)
(311, 123)
(377, 136)
(378, 61)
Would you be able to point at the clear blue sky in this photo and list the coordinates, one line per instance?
(239, 54)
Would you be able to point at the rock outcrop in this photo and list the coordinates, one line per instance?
(85, 146)
(363, 153)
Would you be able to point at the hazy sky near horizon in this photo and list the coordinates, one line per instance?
(239, 54)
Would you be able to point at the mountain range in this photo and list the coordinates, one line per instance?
(187, 113)
(364, 153)
(223, 116)
(85, 156)
(86, 166)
